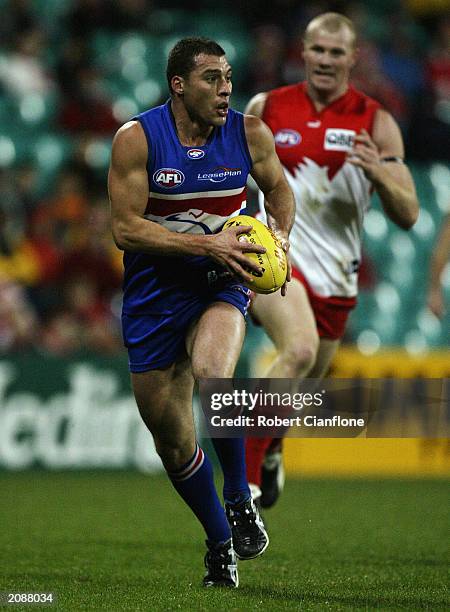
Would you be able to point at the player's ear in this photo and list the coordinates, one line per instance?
(177, 83)
(355, 58)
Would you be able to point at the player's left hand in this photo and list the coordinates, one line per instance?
(365, 155)
(284, 240)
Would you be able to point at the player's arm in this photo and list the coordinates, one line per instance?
(256, 107)
(129, 191)
(381, 158)
(269, 176)
(439, 259)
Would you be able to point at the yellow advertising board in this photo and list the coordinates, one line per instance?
(367, 457)
(375, 456)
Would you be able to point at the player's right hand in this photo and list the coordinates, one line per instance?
(226, 248)
(435, 302)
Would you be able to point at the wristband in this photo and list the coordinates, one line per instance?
(393, 158)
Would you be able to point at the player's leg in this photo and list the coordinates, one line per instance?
(325, 354)
(290, 324)
(214, 342)
(214, 345)
(272, 471)
(164, 399)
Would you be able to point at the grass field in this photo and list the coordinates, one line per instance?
(124, 541)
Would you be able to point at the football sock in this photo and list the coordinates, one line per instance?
(194, 482)
(276, 446)
(255, 450)
(231, 454)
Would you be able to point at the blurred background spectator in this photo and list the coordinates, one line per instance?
(72, 71)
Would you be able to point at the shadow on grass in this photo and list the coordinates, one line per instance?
(304, 596)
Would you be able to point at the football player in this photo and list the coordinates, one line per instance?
(337, 146)
(178, 172)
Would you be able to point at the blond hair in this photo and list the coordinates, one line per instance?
(331, 22)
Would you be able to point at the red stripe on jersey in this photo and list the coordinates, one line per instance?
(222, 206)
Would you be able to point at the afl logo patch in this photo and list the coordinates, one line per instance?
(168, 178)
(195, 153)
(287, 138)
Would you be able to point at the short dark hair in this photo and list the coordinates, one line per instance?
(181, 59)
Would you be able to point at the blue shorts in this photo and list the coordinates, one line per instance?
(157, 340)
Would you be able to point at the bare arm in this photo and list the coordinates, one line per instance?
(391, 180)
(439, 259)
(129, 190)
(256, 107)
(269, 176)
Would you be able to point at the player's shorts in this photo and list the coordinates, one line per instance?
(156, 340)
(331, 313)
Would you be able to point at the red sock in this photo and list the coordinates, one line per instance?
(255, 450)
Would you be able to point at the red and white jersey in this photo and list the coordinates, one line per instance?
(331, 194)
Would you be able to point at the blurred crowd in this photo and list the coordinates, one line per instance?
(60, 273)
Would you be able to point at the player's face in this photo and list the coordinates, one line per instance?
(329, 58)
(207, 90)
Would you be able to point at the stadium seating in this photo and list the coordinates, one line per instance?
(395, 312)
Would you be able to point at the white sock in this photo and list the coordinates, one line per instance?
(254, 490)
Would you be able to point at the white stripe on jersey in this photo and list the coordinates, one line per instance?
(199, 194)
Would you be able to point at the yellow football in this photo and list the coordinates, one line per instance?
(273, 262)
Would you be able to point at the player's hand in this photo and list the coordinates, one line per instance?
(365, 155)
(284, 240)
(435, 302)
(226, 248)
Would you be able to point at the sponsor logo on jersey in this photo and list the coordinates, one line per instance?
(314, 124)
(168, 178)
(196, 153)
(339, 140)
(287, 138)
(219, 174)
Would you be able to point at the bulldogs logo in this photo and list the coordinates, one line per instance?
(195, 153)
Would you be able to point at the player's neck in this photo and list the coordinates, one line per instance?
(191, 133)
(321, 99)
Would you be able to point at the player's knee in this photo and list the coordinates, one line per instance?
(173, 454)
(211, 368)
(301, 356)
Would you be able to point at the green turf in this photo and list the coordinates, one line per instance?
(124, 541)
